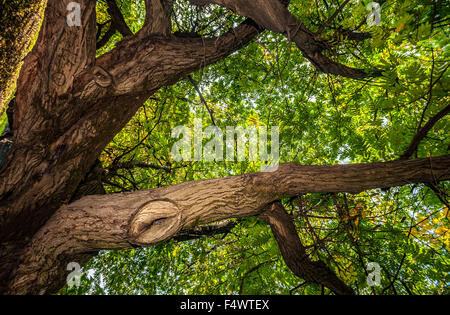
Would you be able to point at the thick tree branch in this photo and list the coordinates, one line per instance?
(44, 85)
(117, 18)
(295, 255)
(134, 164)
(211, 114)
(157, 18)
(105, 39)
(274, 16)
(143, 218)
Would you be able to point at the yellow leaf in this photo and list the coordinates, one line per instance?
(441, 230)
(400, 27)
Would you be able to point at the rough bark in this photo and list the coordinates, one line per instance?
(275, 16)
(143, 218)
(19, 24)
(157, 19)
(53, 146)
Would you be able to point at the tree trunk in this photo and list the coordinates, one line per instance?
(66, 118)
(19, 23)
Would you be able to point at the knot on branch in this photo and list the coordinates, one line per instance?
(155, 222)
(102, 77)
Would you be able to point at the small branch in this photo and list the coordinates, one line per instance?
(391, 284)
(202, 98)
(146, 217)
(331, 18)
(223, 227)
(423, 132)
(105, 39)
(248, 272)
(117, 18)
(134, 164)
(100, 29)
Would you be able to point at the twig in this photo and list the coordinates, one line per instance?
(331, 18)
(423, 132)
(202, 98)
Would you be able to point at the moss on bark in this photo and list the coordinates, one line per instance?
(20, 21)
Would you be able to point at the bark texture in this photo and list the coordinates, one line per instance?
(54, 147)
(19, 24)
(69, 105)
(275, 16)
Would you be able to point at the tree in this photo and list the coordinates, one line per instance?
(81, 85)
